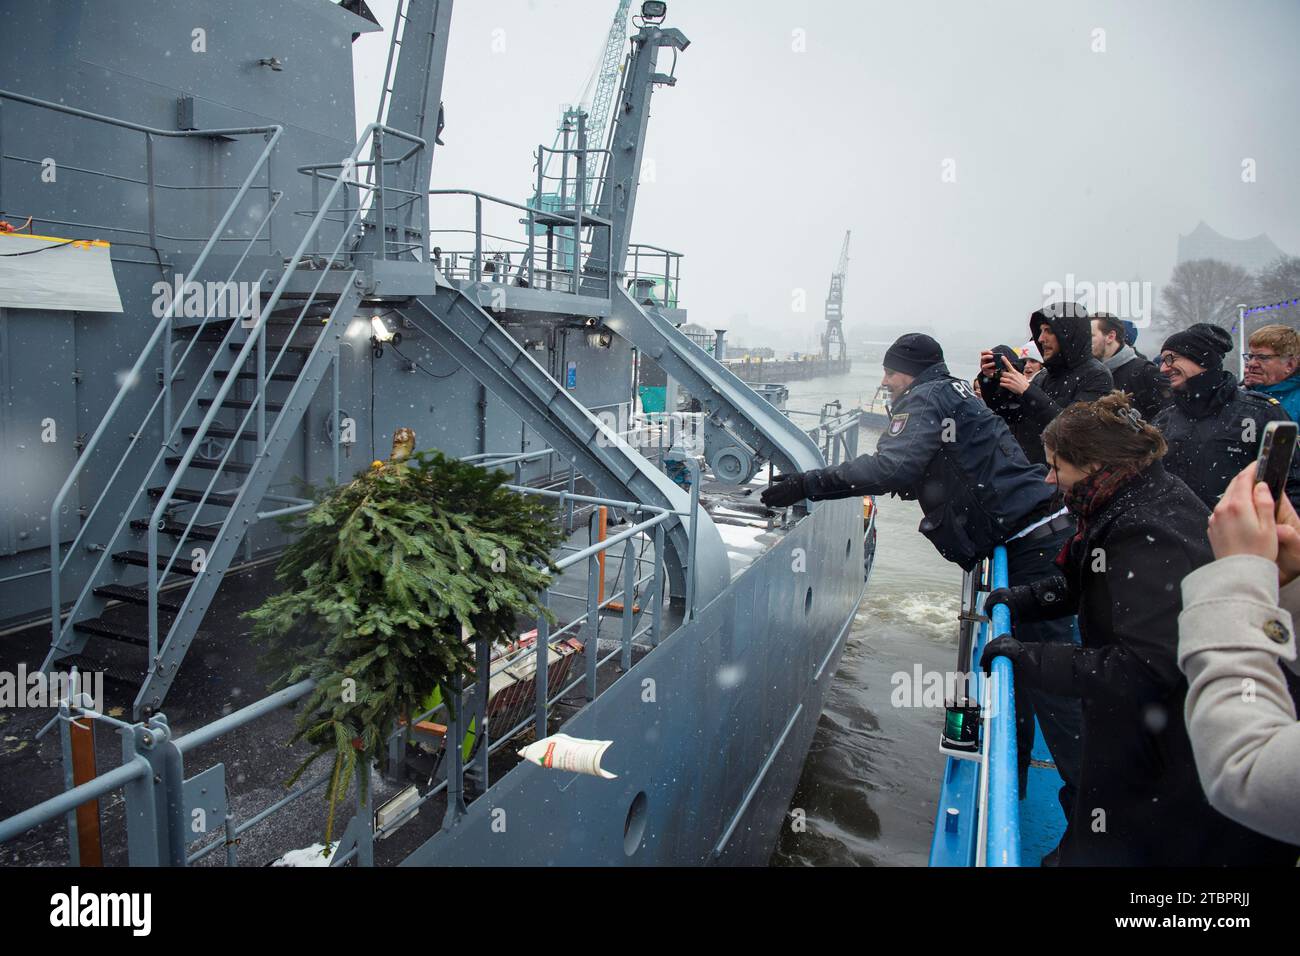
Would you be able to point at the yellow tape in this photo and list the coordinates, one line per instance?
(76, 243)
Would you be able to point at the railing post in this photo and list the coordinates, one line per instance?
(580, 199)
(270, 202)
(147, 826)
(629, 582)
(315, 204)
(232, 841)
(573, 486)
(483, 678)
(260, 398)
(1002, 847)
(453, 755)
(69, 781)
(478, 239)
(365, 820)
(81, 745)
(377, 197)
(152, 582)
(695, 533)
(657, 588)
(338, 428)
(148, 163)
(592, 624)
(542, 655)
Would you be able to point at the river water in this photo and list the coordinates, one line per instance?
(868, 791)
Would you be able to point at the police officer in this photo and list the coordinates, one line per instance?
(946, 449)
(1214, 426)
(1070, 374)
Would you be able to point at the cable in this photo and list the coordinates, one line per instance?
(421, 367)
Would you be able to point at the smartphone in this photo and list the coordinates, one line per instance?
(1275, 451)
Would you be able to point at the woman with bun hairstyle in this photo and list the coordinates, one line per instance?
(1140, 532)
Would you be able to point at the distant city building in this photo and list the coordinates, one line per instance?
(1250, 254)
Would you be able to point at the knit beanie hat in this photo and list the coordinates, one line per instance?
(1203, 343)
(912, 354)
(1030, 350)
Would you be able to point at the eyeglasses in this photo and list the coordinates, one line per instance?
(1262, 357)
(1169, 358)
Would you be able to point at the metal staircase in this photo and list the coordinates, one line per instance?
(504, 366)
(221, 487)
(142, 602)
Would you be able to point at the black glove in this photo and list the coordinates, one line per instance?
(1023, 657)
(785, 492)
(1016, 599)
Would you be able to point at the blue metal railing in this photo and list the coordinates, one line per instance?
(1002, 801)
(977, 821)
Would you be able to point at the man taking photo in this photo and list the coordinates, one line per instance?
(1070, 374)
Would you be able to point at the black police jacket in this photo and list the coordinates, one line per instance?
(1214, 429)
(1141, 378)
(1071, 375)
(944, 448)
(1122, 578)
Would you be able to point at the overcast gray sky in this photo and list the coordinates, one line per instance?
(792, 122)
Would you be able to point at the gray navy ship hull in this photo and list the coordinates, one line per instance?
(706, 769)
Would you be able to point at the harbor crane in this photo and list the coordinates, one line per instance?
(833, 337)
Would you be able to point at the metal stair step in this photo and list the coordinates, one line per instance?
(192, 494)
(111, 669)
(274, 347)
(236, 466)
(141, 559)
(138, 596)
(176, 529)
(218, 432)
(239, 403)
(113, 630)
(251, 376)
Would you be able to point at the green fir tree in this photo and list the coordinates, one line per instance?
(388, 576)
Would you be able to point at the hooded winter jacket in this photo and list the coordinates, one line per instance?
(1071, 375)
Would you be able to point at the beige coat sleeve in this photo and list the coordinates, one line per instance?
(1242, 722)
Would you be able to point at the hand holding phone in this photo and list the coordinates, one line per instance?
(1276, 448)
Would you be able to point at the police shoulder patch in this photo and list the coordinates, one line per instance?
(897, 424)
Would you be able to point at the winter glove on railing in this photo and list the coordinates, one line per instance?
(1042, 600)
(785, 492)
(1017, 599)
(1023, 657)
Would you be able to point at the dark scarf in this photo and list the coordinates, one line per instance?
(1204, 395)
(1089, 496)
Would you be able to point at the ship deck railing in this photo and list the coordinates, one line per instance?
(489, 255)
(977, 821)
(151, 183)
(160, 799)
